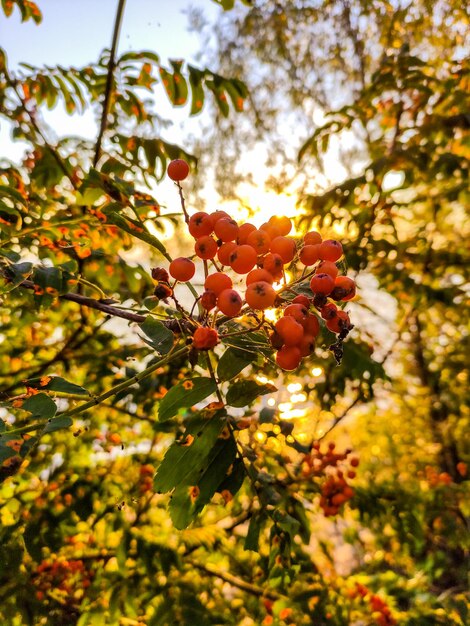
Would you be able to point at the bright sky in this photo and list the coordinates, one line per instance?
(74, 33)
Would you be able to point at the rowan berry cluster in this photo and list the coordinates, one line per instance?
(381, 612)
(63, 577)
(262, 255)
(335, 491)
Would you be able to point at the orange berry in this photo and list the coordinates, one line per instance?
(178, 170)
(307, 345)
(217, 215)
(259, 240)
(271, 229)
(288, 358)
(284, 247)
(298, 311)
(226, 229)
(290, 330)
(311, 238)
(338, 323)
(310, 254)
(229, 302)
(205, 247)
(217, 282)
(344, 289)
(322, 283)
(331, 250)
(225, 251)
(208, 300)
(205, 338)
(281, 223)
(260, 295)
(200, 224)
(274, 264)
(329, 311)
(311, 325)
(327, 267)
(243, 259)
(182, 269)
(461, 468)
(259, 274)
(303, 300)
(243, 232)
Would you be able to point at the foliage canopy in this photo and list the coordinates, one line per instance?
(107, 408)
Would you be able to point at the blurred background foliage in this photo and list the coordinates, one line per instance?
(362, 109)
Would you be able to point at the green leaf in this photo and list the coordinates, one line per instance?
(183, 462)
(168, 81)
(244, 392)
(184, 395)
(286, 522)
(183, 508)
(40, 405)
(197, 92)
(254, 529)
(161, 338)
(56, 383)
(16, 274)
(57, 423)
(232, 362)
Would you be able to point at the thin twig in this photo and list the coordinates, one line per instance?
(109, 80)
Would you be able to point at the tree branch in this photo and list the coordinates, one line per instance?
(109, 81)
(235, 581)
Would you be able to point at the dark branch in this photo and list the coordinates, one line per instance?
(109, 81)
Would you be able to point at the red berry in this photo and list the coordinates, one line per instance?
(310, 254)
(259, 240)
(229, 302)
(259, 274)
(178, 170)
(290, 330)
(284, 247)
(339, 322)
(208, 300)
(331, 250)
(327, 267)
(288, 358)
(205, 338)
(281, 223)
(182, 269)
(218, 215)
(200, 224)
(217, 282)
(225, 251)
(243, 259)
(312, 238)
(303, 300)
(205, 247)
(322, 283)
(243, 232)
(260, 295)
(344, 289)
(298, 311)
(311, 325)
(274, 264)
(226, 229)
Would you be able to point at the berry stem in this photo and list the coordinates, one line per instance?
(183, 204)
